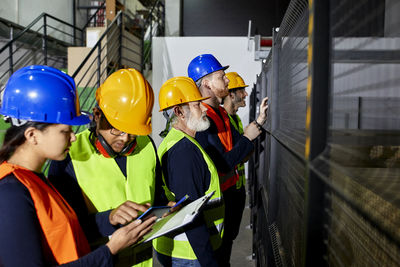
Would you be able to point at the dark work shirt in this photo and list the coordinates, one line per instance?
(224, 161)
(62, 176)
(20, 231)
(186, 172)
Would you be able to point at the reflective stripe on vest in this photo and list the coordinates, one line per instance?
(179, 246)
(63, 239)
(105, 187)
(240, 167)
(225, 136)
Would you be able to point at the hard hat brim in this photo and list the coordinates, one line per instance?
(200, 99)
(222, 68)
(128, 128)
(225, 67)
(79, 120)
(238, 87)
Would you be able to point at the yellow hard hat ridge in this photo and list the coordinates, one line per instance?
(127, 99)
(235, 81)
(178, 90)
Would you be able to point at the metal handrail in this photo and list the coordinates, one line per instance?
(102, 6)
(149, 23)
(59, 20)
(9, 43)
(96, 65)
(118, 16)
(31, 40)
(27, 28)
(150, 13)
(41, 34)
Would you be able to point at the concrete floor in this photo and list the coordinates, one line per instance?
(242, 246)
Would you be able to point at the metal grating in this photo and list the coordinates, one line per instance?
(293, 75)
(364, 135)
(354, 241)
(355, 173)
(290, 175)
(276, 245)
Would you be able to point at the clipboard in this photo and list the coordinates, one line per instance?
(159, 211)
(177, 219)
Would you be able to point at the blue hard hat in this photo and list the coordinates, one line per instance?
(42, 94)
(203, 65)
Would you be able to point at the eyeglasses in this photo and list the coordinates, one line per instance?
(116, 132)
(113, 131)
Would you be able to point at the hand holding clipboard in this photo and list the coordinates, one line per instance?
(161, 211)
(178, 219)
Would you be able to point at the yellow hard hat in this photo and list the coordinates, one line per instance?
(178, 90)
(127, 99)
(235, 81)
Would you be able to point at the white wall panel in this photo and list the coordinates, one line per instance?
(171, 56)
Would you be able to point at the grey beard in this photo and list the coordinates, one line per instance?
(198, 125)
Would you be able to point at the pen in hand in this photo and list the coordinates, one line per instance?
(179, 202)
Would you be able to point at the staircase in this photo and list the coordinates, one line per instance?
(44, 41)
(89, 54)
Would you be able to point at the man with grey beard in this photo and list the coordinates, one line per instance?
(226, 146)
(188, 170)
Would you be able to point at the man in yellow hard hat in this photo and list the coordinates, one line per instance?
(187, 169)
(114, 163)
(226, 147)
(232, 102)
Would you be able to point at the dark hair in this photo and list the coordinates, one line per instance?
(236, 89)
(15, 136)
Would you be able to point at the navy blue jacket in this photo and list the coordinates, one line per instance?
(20, 231)
(224, 161)
(186, 172)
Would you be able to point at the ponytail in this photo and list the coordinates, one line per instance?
(15, 136)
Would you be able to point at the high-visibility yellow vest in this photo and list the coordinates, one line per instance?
(103, 184)
(179, 246)
(240, 167)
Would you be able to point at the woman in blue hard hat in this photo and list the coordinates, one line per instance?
(37, 226)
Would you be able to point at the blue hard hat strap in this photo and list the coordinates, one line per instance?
(14, 121)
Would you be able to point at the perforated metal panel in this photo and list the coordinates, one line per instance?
(363, 136)
(352, 168)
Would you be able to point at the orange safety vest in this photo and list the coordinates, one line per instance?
(63, 239)
(225, 136)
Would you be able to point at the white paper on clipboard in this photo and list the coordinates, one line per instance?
(177, 220)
